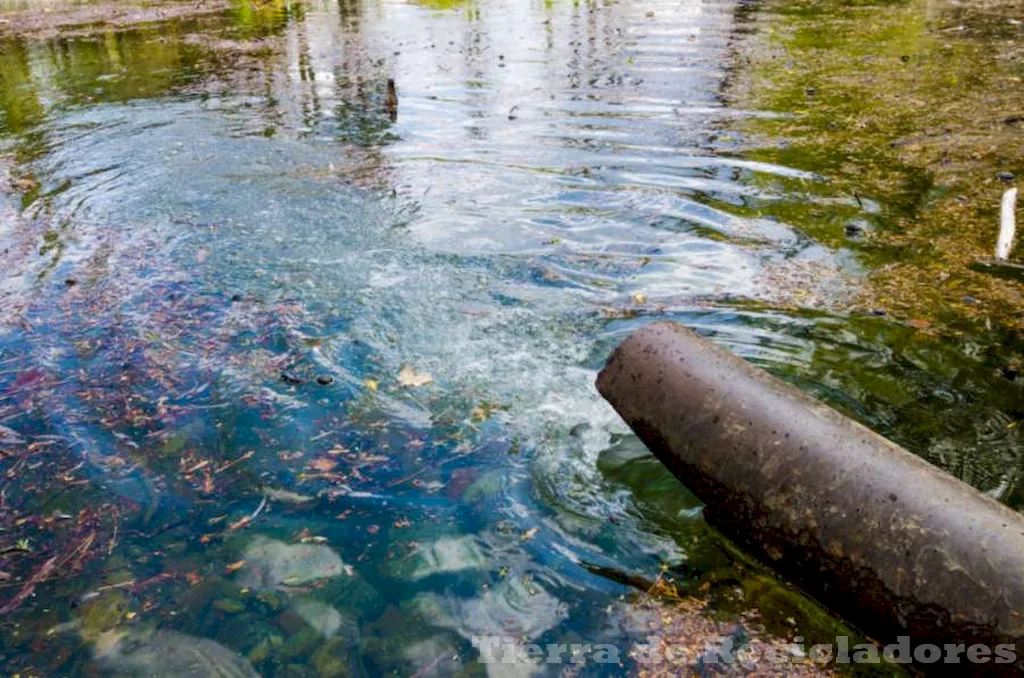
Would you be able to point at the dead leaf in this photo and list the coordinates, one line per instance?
(530, 533)
(232, 567)
(371, 384)
(323, 465)
(410, 377)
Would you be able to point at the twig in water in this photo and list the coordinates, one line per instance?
(1007, 225)
(228, 465)
(242, 522)
(408, 477)
(30, 586)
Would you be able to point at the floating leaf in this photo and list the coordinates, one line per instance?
(371, 384)
(410, 377)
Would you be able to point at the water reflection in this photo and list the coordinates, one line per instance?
(228, 251)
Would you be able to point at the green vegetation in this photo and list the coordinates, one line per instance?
(911, 109)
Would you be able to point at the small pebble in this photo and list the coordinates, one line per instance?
(810, 91)
(70, 282)
(229, 606)
(879, 312)
(853, 229)
(325, 379)
(1005, 177)
(289, 378)
(968, 299)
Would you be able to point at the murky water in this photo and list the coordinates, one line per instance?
(248, 306)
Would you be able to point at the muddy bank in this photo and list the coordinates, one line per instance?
(678, 629)
(53, 19)
(912, 110)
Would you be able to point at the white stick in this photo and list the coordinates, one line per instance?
(1007, 225)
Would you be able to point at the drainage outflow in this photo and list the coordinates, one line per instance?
(894, 545)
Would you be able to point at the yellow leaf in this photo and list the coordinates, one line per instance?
(410, 377)
(371, 384)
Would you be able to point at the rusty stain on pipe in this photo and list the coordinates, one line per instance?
(894, 545)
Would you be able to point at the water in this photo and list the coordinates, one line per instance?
(232, 273)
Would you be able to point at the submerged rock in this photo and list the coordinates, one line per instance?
(324, 619)
(514, 607)
(101, 613)
(444, 556)
(229, 606)
(322, 635)
(435, 656)
(487, 487)
(158, 654)
(270, 563)
(336, 659)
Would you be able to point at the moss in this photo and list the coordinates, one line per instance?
(903, 107)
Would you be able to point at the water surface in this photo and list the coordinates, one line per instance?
(232, 271)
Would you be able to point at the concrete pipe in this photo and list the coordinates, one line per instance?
(894, 545)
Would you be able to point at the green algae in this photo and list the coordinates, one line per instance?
(908, 108)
